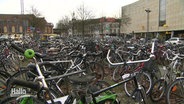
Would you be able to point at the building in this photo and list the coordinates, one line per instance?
(24, 24)
(109, 26)
(146, 18)
(98, 26)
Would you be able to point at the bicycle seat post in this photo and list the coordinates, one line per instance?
(139, 93)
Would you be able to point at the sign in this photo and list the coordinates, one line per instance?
(30, 29)
(18, 91)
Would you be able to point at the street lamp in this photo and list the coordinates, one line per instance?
(147, 33)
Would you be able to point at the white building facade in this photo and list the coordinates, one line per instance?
(165, 17)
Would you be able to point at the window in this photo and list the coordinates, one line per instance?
(162, 12)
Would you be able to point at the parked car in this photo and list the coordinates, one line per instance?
(175, 40)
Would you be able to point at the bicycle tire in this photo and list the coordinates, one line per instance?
(144, 79)
(26, 74)
(158, 90)
(140, 96)
(21, 74)
(175, 92)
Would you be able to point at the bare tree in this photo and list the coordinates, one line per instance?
(36, 21)
(83, 14)
(34, 11)
(64, 24)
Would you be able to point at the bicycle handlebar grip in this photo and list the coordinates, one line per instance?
(33, 85)
(17, 48)
(29, 53)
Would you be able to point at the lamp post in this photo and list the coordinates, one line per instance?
(147, 32)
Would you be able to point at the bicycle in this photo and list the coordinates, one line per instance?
(175, 91)
(139, 90)
(170, 74)
(49, 67)
(25, 99)
(39, 85)
(144, 77)
(37, 65)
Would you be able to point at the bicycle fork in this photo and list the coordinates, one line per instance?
(139, 93)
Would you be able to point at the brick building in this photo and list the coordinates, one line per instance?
(98, 26)
(24, 24)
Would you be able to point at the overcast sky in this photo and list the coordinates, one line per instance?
(54, 10)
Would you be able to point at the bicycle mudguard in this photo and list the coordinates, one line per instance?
(103, 98)
(106, 97)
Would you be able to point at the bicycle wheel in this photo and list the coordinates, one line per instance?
(15, 90)
(140, 96)
(175, 92)
(143, 78)
(24, 74)
(27, 75)
(22, 100)
(158, 89)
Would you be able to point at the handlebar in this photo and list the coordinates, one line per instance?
(33, 85)
(176, 55)
(152, 56)
(129, 62)
(17, 48)
(27, 53)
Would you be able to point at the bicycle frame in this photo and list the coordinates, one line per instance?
(171, 74)
(138, 86)
(94, 99)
